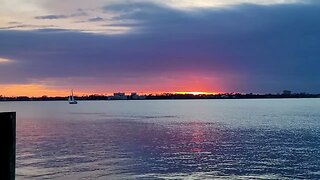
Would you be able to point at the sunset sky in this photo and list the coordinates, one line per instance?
(49, 47)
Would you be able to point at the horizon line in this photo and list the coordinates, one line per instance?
(193, 93)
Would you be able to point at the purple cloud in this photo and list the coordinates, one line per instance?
(249, 48)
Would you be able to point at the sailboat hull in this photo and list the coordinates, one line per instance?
(71, 99)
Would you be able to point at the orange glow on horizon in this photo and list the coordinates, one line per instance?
(34, 90)
(30, 90)
(189, 82)
(38, 90)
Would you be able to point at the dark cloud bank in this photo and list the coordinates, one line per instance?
(252, 48)
(51, 17)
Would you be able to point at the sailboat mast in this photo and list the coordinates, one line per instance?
(71, 98)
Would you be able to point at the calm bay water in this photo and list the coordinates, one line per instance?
(173, 139)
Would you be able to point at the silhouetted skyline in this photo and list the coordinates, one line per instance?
(49, 48)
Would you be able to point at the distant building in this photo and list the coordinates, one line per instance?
(224, 96)
(119, 96)
(123, 96)
(135, 96)
(286, 92)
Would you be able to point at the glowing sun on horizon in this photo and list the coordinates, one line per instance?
(196, 93)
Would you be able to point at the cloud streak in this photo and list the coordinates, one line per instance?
(51, 17)
(96, 19)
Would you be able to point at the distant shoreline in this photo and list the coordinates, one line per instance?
(168, 97)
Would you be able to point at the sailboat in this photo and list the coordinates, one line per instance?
(71, 99)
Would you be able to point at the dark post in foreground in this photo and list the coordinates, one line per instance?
(7, 145)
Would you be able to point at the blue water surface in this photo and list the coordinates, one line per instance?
(168, 139)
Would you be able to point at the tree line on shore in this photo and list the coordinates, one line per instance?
(167, 96)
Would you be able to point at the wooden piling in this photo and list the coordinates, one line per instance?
(8, 145)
